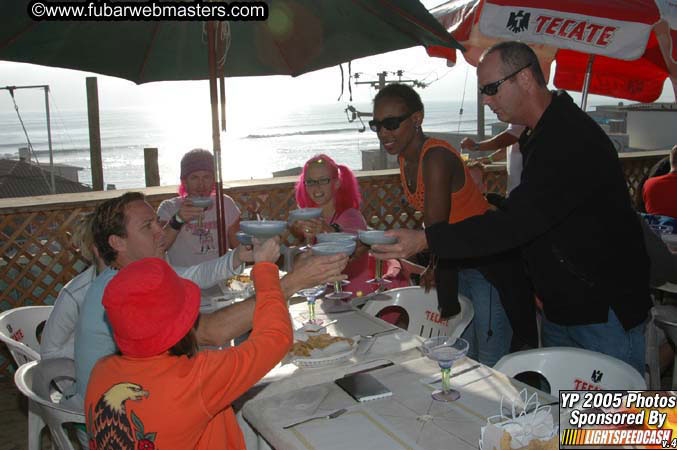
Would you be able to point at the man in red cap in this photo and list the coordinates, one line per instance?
(162, 392)
(126, 230)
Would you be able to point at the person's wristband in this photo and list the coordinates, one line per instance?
(476, 147)
(336, 227)
(175, 222)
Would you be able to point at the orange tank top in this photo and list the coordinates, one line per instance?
(466, 202)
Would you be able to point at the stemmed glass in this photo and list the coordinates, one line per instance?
(204, 203)
(445, 350)
(334, 248)
(304, 214)
(374, 237)
(311, 295)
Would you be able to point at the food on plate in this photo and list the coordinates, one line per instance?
(319, 342)
(239, 282)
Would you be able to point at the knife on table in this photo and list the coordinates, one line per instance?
(369, 369)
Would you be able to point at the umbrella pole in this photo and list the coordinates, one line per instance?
(586, 82)
(216, 137)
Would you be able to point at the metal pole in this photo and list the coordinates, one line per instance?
(94, 133)
(49, 140)
(586, 82)
(480, 117)
(216, 136)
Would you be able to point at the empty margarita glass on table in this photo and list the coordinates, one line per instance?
(445, 350)
(376, 237)
(311, 295)
(334, 248)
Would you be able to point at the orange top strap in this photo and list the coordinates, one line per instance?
(466, 202)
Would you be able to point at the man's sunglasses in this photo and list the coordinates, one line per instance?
(319, 182)
(492, 88)
(389, 123)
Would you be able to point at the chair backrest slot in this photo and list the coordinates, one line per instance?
(421, 307)
(34, 379)
(19, 329)
(567, 368)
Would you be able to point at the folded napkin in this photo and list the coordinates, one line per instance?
(519, 429)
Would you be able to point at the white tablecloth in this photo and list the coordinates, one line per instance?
(410, 418)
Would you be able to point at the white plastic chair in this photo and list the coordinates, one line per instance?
(664, 318)
(18, 329)
(422, 310)
(568, 368)
(34, 380)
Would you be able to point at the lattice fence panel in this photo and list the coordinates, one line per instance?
(384, 205)
(37, 258)
(635, 170)
(496, 181)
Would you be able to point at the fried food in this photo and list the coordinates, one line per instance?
(238, 282)
(320, 341)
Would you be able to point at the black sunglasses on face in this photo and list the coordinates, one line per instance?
(492, 88)
(318, 182)
(389, 123)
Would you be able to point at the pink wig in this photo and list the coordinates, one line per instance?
(348, 194)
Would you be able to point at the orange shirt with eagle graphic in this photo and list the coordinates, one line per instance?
(170, 402)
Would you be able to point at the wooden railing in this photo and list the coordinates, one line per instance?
(37, 257)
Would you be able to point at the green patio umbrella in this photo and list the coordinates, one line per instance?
(298, 36)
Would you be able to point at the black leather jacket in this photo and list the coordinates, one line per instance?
(572, 219)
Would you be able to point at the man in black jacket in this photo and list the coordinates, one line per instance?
(571, 216)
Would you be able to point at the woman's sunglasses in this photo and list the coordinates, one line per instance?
(389, 123)
(319, 182)
(492, 88)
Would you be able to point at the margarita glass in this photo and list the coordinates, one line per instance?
(446, 351)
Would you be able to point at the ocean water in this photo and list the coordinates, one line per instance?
(256, 143)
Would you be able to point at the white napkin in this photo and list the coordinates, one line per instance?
(521, 427)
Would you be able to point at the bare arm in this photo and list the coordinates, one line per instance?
(232, 232)
(228, 323)
(186, 213)
(440, 178)
(499, 143)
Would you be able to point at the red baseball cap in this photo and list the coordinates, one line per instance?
(150, 308)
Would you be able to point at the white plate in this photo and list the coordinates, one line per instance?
(333, 360)
(308, 362)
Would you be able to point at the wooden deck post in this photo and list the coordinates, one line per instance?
(150, 156)
(94, 133)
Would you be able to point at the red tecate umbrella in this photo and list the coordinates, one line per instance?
(617, 48)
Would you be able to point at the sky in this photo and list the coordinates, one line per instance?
(272, 93)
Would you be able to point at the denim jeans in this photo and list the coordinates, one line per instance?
(609, 338)
(489, 333)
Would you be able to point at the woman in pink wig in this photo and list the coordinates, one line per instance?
(333, 187)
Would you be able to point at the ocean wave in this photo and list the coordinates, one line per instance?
(301, 133)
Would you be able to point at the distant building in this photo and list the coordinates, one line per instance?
(63, 170)
(21, 179)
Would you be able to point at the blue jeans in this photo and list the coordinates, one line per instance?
(609, 338)
(485, 347)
